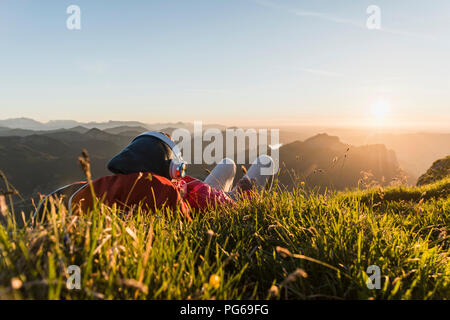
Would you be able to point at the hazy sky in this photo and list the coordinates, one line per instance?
(227, 61)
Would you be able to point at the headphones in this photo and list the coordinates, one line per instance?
(177, 167)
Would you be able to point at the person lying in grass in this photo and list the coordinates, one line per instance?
(151, 172)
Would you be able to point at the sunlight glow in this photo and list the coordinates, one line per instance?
(380, 109)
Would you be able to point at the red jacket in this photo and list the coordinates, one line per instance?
(152, 192)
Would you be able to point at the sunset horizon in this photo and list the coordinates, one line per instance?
(243, 62)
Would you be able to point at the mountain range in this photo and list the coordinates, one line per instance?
(326, 162)
(33, 125)
(42, 161)
(415, 151)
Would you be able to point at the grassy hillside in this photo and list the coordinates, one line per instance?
(281, 245)
(439, 170)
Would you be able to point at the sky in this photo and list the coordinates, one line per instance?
(236, 62)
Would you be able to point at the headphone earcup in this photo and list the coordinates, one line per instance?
(177, 169)
(172, 169)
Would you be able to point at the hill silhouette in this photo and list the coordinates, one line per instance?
(325, 161)
(42, 162)
(439, 170)
(415, 151)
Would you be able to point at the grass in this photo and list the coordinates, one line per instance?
(279, 245)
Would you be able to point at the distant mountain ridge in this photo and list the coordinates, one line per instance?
(415, 151)
(7, 132)
(30, 124)
(325, 161)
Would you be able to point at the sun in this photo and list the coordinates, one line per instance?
(380, 109)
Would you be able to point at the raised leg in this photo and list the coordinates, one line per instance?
(259, 173)
(222, 176)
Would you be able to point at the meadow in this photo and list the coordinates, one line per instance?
(278, 245)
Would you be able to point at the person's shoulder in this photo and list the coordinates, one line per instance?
(188, 179)
(129, 180)
(137, 176)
